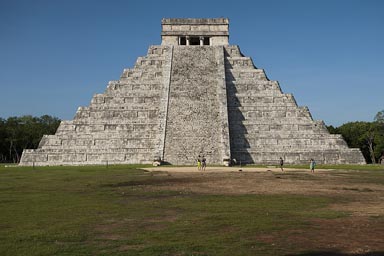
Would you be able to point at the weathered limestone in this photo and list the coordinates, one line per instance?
(195, 31)
(196, 102)
(194, 94)
(125, 124)
(266, 124)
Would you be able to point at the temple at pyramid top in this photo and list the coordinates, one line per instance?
(195, 31)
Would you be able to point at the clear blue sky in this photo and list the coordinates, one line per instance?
(55, 54)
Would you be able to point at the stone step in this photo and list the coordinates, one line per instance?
(268, 99)
(132, 106)
(91, 151)
(132, 81)
(194, 108)
(89, 137)
(268, 129)
(239, 63)
(149, 63)
(232, 51)
(157, 50)
(298, 157)
(127, 100)
(260, 90)
(39, 158)
(257, 115)
(289, 135)
(245, 74)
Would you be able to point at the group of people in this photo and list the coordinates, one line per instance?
(312, 164)
(201, 163)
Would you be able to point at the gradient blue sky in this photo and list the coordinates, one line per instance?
(55, 54)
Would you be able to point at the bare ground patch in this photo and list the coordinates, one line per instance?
(360, 233)
(347, 236)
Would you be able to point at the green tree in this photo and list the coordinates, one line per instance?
(379, 117)
(19, 133)
(332, 129)
(368, 136)
(3, 145)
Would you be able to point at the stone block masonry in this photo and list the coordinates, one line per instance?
(196, 100)
(125, 124)
(193, 95)
(265, 124)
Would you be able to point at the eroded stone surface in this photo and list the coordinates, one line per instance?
(180, 101)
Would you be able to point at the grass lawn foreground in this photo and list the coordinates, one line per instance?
(124, 210)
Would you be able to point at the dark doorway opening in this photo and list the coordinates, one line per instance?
(194, 41)
(183, 40)
(206, 41)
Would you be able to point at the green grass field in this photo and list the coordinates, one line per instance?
(122, 210)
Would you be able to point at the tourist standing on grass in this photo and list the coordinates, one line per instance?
(281, 164)
(312, 165)
(204, 163)
(198, 163)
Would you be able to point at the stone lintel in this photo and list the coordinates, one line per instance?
(190, 21)
(195, 33)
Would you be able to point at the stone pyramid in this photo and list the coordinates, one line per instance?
(192, 95)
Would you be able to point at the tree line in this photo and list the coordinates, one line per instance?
(19, 133)
(368, 136)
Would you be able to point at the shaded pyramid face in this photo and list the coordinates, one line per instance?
(193, 95)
